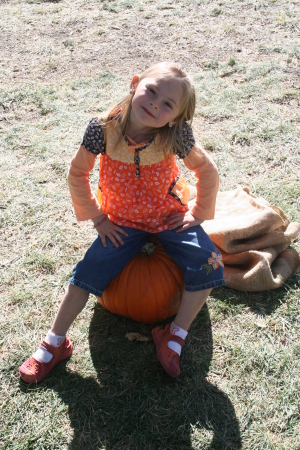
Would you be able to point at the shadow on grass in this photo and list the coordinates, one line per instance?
(132, 404)
(263, 303)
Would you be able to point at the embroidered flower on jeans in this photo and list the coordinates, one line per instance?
(214, 262)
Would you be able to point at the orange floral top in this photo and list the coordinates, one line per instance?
(139, 186)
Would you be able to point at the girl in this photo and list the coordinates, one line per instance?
(140, 193)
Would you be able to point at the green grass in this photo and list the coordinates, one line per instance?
(239, 387)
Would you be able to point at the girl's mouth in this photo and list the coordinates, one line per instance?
(148, 112)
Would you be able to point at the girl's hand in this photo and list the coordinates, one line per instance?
(182, 218)
(106, 228)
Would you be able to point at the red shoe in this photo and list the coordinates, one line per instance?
(167, 357)
(34, 371)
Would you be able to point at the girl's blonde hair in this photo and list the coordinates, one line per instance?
(170, 138)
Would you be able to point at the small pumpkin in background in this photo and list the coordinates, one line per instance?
(148, 289)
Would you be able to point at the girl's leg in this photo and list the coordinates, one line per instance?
(190, 305)
(201, 263)
(56, 346)
(91, 275)
(169, 341)
(72, 304)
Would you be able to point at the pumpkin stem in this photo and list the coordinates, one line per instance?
(148, 248)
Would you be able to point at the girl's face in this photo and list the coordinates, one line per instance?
(155, 102)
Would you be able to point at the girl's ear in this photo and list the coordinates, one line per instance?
(134, 83)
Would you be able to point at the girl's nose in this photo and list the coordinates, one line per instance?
(155, 105)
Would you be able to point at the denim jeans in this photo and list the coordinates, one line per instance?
(191, 249)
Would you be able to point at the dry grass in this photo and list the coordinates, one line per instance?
(62, 62)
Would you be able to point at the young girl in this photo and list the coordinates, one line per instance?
(140, 193)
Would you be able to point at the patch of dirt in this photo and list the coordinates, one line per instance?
(47, 41)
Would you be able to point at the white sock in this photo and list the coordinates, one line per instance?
(43, 355)
(177, 331)
(54, 339)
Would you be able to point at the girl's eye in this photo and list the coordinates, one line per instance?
(151, 90)
(168, 105)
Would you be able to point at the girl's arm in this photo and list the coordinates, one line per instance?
(206, 171)
(207, 185)
(84, 201)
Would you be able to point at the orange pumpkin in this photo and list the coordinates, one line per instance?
(148, 289)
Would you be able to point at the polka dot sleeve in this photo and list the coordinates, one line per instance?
(93, 139)
(187, 139)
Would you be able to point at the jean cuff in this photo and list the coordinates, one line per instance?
(202, 287)
(85, 287)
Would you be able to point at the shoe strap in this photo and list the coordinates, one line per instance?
(48, 347)
(174, 338)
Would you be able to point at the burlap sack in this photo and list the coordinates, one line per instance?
(253, 237)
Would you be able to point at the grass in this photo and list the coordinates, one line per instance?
(239, 387)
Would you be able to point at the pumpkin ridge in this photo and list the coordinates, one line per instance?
(150, 265)
(131, 302)
(119, 288)
(147, 275)
(174, 272)
(155, 273)
(162, 274)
